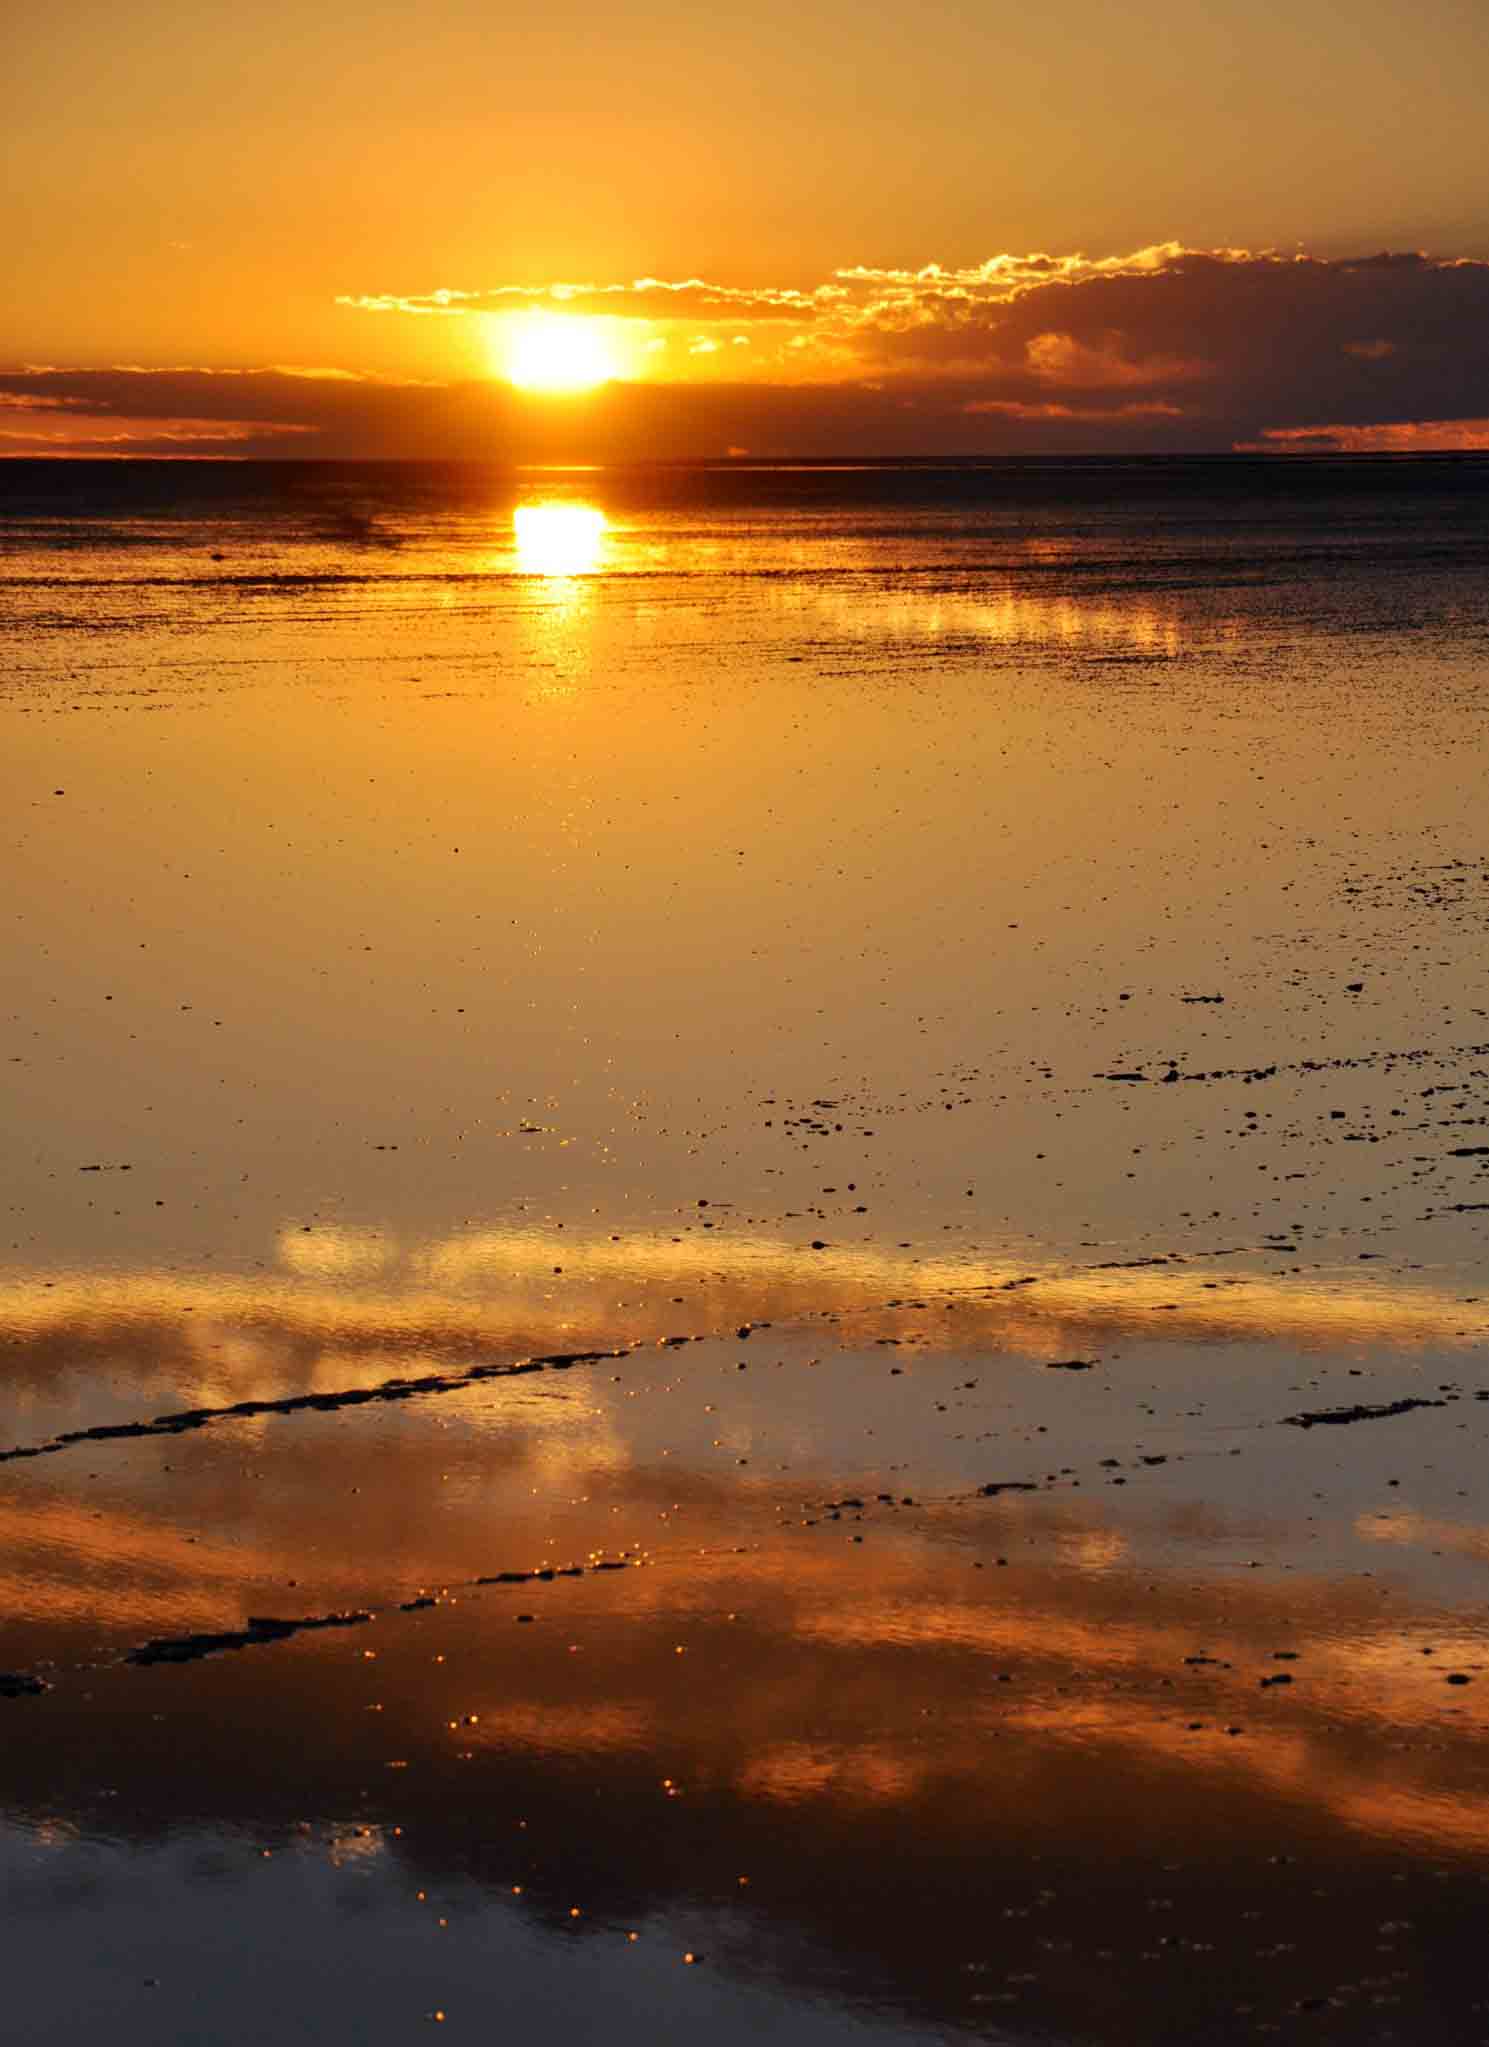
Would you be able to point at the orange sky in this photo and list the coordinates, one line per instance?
(287, 187)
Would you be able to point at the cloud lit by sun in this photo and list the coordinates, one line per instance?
(540, 351)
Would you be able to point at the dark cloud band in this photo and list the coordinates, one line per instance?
(1166, 349)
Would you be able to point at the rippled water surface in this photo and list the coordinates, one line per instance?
(741, 1261)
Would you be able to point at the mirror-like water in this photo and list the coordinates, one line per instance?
(743, 1219)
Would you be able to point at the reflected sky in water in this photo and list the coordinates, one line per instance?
(919, 988)
(874, 1758)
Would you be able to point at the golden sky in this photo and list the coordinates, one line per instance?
(774, 199)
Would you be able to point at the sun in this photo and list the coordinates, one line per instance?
(555, 351)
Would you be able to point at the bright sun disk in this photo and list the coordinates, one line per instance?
(556, 352)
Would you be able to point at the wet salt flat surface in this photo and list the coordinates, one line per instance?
(744, 1221)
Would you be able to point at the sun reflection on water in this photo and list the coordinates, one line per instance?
(559, 539)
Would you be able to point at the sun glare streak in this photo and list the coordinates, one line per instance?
(555, 352)
(559, 539)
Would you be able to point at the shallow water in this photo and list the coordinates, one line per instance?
(946, 1006)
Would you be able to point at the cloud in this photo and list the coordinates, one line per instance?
(646, 298)
(128, 409)
(16, 401)
(1401, 437)
(85, 433)
(1265, 328)
(1020, 408)
(1164, 348)
(1077, 366)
